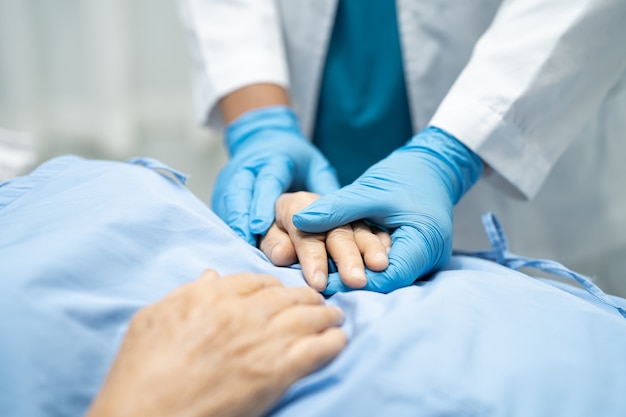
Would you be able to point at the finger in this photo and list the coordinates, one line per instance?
(303, 320)
(333, 210)
(322, 178)
(209, 275)
(202, 287)
(233, 205)
(273, 300)
(272, 180)
(311, 252)
(288, 204)
(335, 285)
(310, 248)
(410, 257)
(310, 353)
(277, 246)
(408, 260)
(343, 248)
(221, 187)
(370, 246)
(414, 253)
(385, 238)
(246, 284)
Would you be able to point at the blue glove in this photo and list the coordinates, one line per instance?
(411, 193)
(269, 156)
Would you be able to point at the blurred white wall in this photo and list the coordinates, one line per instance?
(103, 79)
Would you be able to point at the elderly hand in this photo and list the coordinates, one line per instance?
(349, 246)
(269, 156)
(220, 347)
(411, 192)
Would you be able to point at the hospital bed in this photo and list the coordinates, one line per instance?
(85, 244)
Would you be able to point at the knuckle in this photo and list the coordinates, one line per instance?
(360, 226)
(142, 317)
(335, 314)
(308, 295)
(294, 320)
(341, 233)
(282, 294)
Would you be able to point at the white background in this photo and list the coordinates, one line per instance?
(103, 79)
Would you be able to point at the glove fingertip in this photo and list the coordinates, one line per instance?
(330, 291)
(259, 225)
(248, 237)
(300, 219)
(307, 222)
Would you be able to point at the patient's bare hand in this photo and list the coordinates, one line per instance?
(220, 347)
(350, 246)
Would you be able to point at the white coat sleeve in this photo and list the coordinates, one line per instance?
(535, 78)
(234, 43)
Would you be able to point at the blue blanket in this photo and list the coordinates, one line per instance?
(84, 244)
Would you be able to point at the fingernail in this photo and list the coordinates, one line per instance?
(319, 280)
(358, 276)
(380, 257)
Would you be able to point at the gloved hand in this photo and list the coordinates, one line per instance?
(269, 156)
(410, 193)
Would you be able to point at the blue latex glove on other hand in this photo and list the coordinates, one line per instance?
(411, 193)
(269, 156)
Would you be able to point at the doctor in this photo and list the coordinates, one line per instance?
(407, 104)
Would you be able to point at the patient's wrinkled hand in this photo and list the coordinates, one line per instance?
(351, 247)
(220, 347)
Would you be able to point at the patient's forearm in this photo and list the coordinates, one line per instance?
(252, 97)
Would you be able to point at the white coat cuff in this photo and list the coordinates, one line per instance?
(499, 143)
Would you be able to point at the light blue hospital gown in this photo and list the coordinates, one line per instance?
(84, 244)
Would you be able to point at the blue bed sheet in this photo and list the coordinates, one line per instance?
(84, 244)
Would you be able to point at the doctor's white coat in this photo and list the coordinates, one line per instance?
(536, 88)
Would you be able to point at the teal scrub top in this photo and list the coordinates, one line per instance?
(363, 111)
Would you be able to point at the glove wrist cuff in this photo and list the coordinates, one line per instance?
(463, 164)
(253, 121)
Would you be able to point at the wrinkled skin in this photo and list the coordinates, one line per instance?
(220, 347)
(352, 246)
